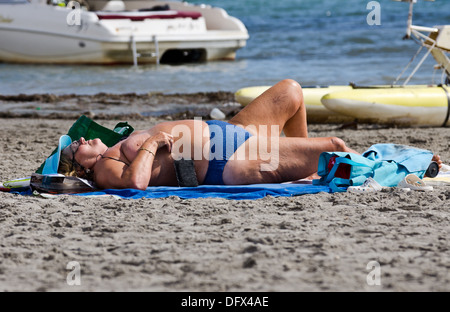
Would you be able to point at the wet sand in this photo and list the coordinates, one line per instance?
(319, 242)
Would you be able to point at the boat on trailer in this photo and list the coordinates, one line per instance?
(116, 32)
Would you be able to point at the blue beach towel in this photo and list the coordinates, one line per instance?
(236, 192)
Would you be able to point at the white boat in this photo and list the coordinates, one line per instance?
(116, 32)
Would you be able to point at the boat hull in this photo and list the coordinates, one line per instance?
(77, 50)
(409, 106)
(57, 49)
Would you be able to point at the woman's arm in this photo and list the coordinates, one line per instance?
(138, 174)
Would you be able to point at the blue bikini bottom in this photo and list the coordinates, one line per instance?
(225, 139)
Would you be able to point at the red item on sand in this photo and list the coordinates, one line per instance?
(343, 171)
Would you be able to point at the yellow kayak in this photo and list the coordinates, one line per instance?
(411, 105)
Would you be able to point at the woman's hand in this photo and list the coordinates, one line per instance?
(161, 139)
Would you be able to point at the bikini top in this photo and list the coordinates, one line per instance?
(119, 160)
(115, 159)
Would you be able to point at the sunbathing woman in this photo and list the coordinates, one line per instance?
(245, 150)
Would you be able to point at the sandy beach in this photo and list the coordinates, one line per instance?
(319, 242)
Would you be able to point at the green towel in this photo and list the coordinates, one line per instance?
(89, 129)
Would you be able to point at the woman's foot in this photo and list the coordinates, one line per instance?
(432, 171)
(314, 176)
(341, 146)
(438, 160)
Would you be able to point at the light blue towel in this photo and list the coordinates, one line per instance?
(387, 164)
(412, 158)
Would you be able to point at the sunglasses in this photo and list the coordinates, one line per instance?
(74, 149)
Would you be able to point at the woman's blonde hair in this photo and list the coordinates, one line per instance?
(68, 168)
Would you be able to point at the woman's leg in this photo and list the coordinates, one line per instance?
(281, 105)
(289, 160)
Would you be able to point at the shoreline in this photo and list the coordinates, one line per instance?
(112, 106)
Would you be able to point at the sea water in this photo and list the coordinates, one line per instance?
(316, 42)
